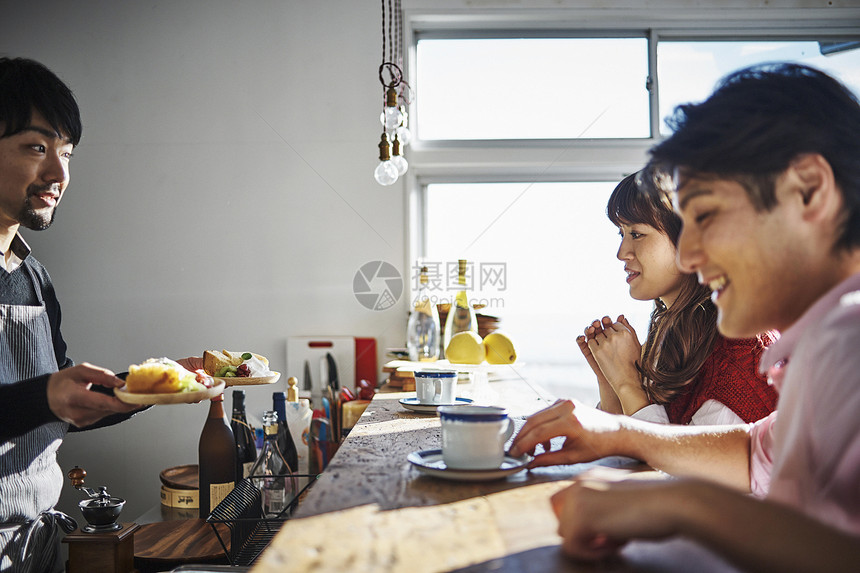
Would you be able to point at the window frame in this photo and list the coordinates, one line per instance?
(576, 160)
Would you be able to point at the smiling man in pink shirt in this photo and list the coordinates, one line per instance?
(766, 177)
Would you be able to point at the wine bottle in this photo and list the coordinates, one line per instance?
(461, 316)
(285, 438)
(423, 329)
(271, 473)
(243, 433)
(216, 458)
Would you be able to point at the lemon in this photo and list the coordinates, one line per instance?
(499, 349)
(465, 348)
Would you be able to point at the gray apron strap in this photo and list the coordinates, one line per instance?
(37, 542)
(30, 478)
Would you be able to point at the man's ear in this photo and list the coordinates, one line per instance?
(811, 177)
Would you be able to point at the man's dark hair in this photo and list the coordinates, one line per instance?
(757, 121)
(26, 85)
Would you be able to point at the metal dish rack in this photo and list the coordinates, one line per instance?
(249, 530)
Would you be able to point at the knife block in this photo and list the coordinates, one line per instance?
(111, 552)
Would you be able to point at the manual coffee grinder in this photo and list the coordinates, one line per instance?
(102, 544)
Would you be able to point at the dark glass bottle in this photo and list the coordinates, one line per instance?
(243, 433)
(216, 455)
(285, 438)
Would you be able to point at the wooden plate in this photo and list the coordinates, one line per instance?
(249, 381)
(180, 477)
(170, 398)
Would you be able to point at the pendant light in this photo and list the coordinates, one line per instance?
(396, 96)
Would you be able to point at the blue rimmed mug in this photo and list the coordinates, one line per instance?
(435, 386)
(473, 437)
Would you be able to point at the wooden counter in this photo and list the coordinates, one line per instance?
(371, 466)
(371, 510)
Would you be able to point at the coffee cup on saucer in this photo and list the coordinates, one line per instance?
(435, 386)
(473, 437)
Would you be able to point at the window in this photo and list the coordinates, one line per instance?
(688, 70)
(523, 133)
(539, 88)
(542, 256)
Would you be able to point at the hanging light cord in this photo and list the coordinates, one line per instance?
(392, 58)
(392, 163)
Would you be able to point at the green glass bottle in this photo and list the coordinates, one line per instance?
(461, 316)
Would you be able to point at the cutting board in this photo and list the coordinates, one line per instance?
(313, 349)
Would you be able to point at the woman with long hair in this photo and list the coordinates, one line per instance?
(686, 372)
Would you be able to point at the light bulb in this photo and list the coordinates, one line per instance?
(404, 135)
(385, 173)
(391, 117)
(400, 163)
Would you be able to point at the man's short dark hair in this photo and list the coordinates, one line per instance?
(26, 85)
(757, 121)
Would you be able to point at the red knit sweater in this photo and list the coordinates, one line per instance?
(729, 376)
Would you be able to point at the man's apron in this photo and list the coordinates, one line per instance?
(30, 477)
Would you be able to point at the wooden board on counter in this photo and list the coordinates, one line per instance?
(180, 541)
(457, 535)
(401, 373)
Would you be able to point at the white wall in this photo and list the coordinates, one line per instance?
(222, 195)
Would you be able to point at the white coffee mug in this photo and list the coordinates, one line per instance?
(473, 437)
(435, 386)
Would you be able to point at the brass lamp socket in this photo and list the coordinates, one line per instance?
(390, 97)
(384, 154)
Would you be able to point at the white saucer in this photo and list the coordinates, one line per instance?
(430, 462)
(416, 406)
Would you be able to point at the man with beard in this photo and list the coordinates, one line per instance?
(42, 393)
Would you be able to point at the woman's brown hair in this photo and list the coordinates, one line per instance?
(681, 337)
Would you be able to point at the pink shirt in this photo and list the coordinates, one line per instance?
(810, 457)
